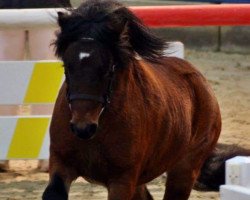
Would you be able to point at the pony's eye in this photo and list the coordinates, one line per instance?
(106, 74)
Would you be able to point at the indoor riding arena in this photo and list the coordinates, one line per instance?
(214, 37)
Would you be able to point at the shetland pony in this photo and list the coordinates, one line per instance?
(126, 113)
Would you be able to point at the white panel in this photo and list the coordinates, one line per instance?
(7, 128)
(44, 153)
(234, 192)
(175, 49)
(233, 174)
(238, 171)
(14, 78)
(245, 175)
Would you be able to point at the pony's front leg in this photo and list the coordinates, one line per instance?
(61, 177)
(57, 189)
(128, 192)
(123, 187)
(142, 193)
(180, 181)
(121, 191)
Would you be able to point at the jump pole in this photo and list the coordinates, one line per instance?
(153, 16)
(194, 15)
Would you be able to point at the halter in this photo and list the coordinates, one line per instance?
(104, 99)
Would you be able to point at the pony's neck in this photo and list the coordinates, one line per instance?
(144, 75)
(135, 81)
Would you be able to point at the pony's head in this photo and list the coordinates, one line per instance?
(94, 39)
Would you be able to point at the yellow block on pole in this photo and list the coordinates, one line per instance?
(28, 138)
(44, 83)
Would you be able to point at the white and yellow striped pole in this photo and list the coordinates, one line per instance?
(28, 91)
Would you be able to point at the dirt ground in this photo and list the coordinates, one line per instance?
(229, 75)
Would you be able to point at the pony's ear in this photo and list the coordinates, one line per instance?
(141, 40)
(125, 49)
(62, 18)
(120, 24)
(145, 43)
(124, 39)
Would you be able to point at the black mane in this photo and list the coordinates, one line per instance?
(111, 24)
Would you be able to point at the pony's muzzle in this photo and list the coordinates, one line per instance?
(86, 133)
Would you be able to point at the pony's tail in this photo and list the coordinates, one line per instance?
(212, 174)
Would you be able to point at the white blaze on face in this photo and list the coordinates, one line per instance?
(83, 55)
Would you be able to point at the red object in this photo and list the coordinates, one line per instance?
(194, 15)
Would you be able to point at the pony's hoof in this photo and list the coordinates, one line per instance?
(55, 190)
(50, 195)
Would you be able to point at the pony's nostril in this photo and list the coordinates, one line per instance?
(91, 128)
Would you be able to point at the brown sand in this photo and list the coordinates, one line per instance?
(229, 75)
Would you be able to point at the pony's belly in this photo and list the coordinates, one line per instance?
(90, 180)
(146, 179)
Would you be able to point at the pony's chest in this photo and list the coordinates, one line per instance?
(99, 164)
(93, 166)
